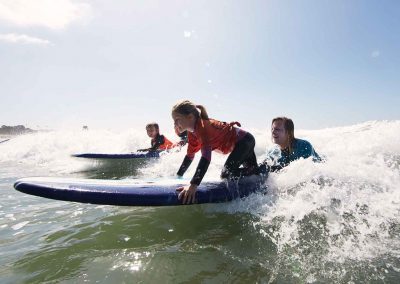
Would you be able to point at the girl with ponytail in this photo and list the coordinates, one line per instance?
(206, 135)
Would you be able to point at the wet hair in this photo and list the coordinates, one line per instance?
(151, 125)
(289, 127)
(186, 107)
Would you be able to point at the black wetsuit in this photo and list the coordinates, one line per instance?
(243, 154)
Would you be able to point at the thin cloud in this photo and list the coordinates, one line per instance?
(375, 53)
(53, 14)
(23, 39)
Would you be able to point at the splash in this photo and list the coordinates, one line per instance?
(326, 219)
(346, 210)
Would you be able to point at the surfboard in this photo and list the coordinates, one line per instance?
(137, 192)
(138, 155)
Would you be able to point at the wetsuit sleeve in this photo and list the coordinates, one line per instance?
(200, 171)
(185, 165)
(202, 167)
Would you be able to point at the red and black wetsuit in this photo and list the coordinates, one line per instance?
(213, 135)
(160, 142)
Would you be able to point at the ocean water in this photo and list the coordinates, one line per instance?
(332, 222)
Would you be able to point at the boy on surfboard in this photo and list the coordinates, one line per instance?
(158, 141)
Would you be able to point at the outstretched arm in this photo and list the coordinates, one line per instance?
(201, 170)
(188, 193)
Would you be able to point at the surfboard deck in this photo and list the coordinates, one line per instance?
(138, 155)
(137, 192)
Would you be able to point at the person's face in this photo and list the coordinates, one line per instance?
(183, 122)
(279, 133)
(152, 132)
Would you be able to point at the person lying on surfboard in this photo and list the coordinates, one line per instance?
(288, 148)
(206, 135)
(158, 141)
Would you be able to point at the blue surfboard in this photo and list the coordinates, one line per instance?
(139, 155)
(137, 192)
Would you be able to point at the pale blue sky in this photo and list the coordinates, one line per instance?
(104, 63)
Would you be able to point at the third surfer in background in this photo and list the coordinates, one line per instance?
(206, 135)
(288, 148)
